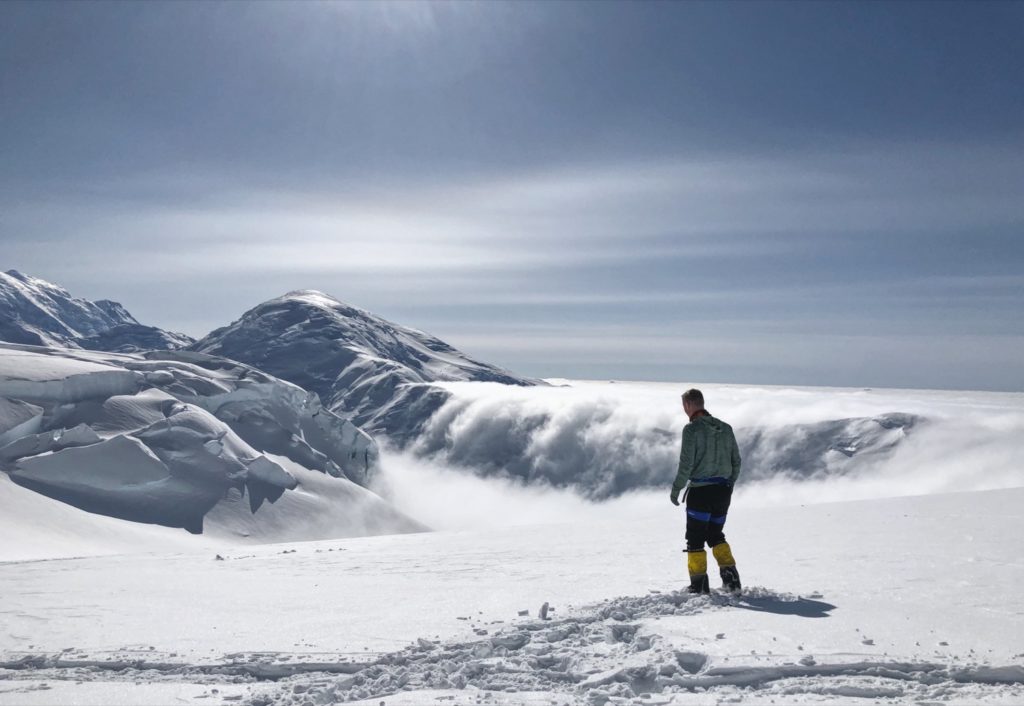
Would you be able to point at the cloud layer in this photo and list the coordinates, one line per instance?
(496, 455)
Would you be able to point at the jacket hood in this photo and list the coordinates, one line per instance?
(714, 425)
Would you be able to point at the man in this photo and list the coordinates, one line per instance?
(710, 462)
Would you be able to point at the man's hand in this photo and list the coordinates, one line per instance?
(674, 497)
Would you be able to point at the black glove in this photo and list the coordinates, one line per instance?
(674, 497)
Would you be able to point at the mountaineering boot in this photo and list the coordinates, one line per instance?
(699, 584)
(727, 567)
(730, 579)
(697, 565)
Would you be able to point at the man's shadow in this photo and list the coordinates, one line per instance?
(802, 607)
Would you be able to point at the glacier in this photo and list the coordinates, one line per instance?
(165, 437)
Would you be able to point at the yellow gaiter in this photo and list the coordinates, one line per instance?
(723, 554)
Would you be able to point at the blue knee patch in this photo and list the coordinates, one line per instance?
(698, 515)
(717, 519)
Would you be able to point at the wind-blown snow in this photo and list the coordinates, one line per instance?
(319, 507)
(447, 498)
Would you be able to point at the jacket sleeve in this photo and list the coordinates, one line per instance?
(687, 456)
(735, 460)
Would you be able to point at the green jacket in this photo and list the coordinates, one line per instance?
(709, 454)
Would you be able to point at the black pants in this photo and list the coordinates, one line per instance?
(706, 508)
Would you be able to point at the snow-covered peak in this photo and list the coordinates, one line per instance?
(313, 297)
(308, 314)
(36, 282)
(321, 300)
(36, 312)
(359, 363)
(44, 313)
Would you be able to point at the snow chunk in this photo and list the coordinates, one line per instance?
(56, 440)
(18, 418)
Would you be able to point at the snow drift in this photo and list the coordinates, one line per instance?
(166, 437)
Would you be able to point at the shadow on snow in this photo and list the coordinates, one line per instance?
(802, 607)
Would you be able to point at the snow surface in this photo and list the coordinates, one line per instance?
(895, 601)
(910, 594)
(36, 312)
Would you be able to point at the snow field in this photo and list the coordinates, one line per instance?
(901, 600)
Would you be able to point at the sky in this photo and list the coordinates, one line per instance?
(772, 193)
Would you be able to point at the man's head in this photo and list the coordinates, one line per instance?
(693, 400)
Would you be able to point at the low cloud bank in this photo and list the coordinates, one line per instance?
(495, 455)
(445, 498)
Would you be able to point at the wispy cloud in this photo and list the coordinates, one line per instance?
(823, 267)
(554, 218)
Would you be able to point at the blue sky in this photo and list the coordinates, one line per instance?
(805, 193)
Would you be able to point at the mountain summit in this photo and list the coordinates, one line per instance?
(39, 313)
(361, 365)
